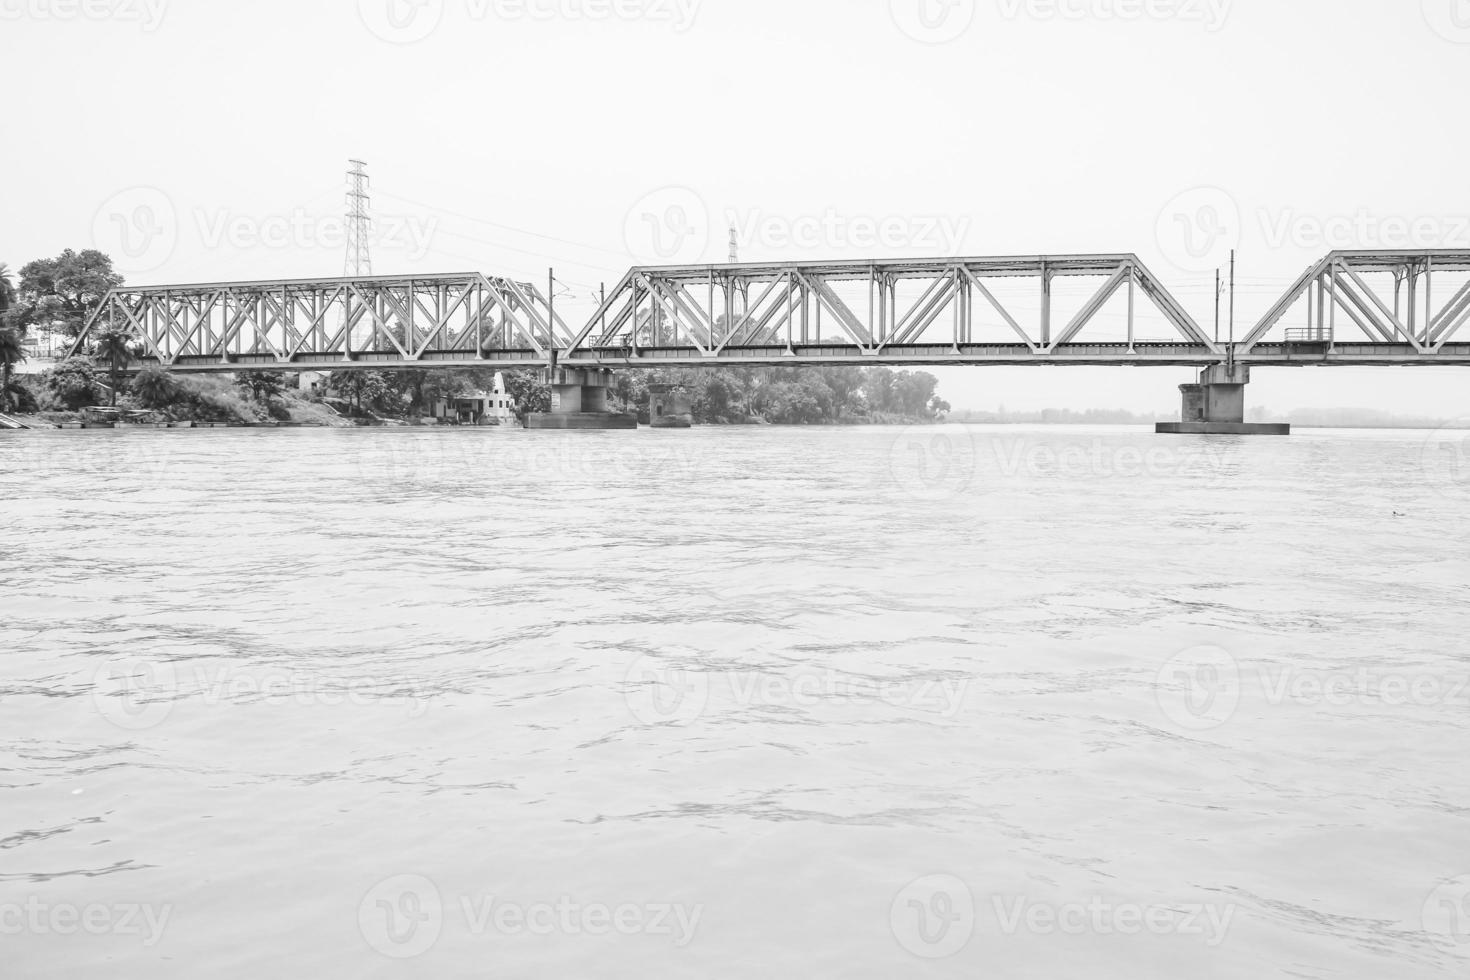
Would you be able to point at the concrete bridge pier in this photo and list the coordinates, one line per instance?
(1216, 406)
(579, 401)
(669, 407)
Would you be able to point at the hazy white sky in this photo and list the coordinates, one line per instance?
(196, 140)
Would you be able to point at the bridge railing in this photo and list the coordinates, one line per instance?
(1309, 335)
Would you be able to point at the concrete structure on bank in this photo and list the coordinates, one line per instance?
(669, 407)
(494, 407)
(1216, 406)
(579, 401)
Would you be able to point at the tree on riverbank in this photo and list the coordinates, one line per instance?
(12, 341)
(530, 392)
(64, 291)
(12, 352)
(71, 385)
(262, 385)
(113, 350)
(792, 395)
(196, 398)
(360, 388)
(7, 293)
(154, 387)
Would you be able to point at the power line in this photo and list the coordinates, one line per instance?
(519, 231)
(522, 251)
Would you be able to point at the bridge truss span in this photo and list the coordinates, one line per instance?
(447, 320)
(920, 311)
(1370, 307)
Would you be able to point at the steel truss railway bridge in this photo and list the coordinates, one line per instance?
(1375, 308)
(1361, 308)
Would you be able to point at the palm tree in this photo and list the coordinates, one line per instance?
(7, 290)
(112, 346)
(154, 387)
(12, 350)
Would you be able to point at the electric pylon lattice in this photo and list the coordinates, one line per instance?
(359, 260)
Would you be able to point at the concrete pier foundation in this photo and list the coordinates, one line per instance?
(669, 407)
(1216, 406)
(579, 401)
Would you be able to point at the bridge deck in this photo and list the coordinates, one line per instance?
(833, 355)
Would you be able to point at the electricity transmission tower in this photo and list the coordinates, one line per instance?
(359, 261)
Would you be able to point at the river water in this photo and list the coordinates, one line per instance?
(733, 702)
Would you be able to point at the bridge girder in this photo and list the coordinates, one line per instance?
(729, 311)
(1337, 285)
(330, 324)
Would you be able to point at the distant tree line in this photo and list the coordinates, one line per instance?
(1058, 416)
(792, 395)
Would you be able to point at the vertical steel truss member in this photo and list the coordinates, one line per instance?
(761, 311)
(335, 323)
(1402, 328)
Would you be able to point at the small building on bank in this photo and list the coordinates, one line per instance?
(44, 347)
(494, 407)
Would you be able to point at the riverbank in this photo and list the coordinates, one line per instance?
(78, 421)
(297, 415)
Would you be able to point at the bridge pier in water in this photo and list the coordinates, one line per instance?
(579, 401)
(1215, 405)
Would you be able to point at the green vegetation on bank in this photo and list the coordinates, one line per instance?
(792, 395)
